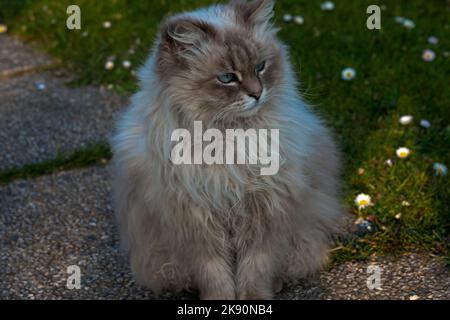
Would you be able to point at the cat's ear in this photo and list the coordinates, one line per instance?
(256, 12)
(180, 33)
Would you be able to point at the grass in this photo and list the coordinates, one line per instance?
(392, 80)
(94, 154)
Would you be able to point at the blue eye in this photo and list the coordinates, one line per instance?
(260, 67)
(227, 78)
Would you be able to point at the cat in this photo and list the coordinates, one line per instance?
(225, 231)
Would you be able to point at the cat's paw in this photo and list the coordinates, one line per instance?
(255, 294)
(218, 295)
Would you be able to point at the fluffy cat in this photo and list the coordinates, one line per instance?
(223, 230)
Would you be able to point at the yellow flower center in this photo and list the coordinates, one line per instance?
(363, 202)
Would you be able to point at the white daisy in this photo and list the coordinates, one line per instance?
(327, 6)
(398, 216)
(287, 18)
(363, 201)
(405, 203)
(440, 169)
(388, 162)
(425, 123)
(299, 20)
(400, 19)
(409, 24)
(433, 40)
(348, 74)
(109, 65)
(126, 64)
(404, 120)
(403, 152)
(428, 55)
(107, 24)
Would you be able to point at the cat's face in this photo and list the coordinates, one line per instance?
(224, 69)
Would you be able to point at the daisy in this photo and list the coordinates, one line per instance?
(425, 123)
(3, 28)
(403, 152)
(363, 201)
(109, 65)
(348, 74)
(126, 64)
(327, 6)
(388, 162)
(107, 24)
(408, 24)
(299, 20)
(404, 120)
(433, 40)
(440, 169)
(398, 216)
(405, 203)
(428, 55)
(399, 19)
(287, 18)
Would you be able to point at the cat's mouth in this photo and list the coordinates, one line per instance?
(252, 105)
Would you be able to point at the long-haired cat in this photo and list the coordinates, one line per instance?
(224, 230)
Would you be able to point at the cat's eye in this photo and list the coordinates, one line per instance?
(228, 78)
(260, 67)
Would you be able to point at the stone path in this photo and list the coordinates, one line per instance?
(17, 58)
(54, 221)
(37, 125)
(40, 117)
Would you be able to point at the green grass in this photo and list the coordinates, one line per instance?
(392, 80)
(94, 154)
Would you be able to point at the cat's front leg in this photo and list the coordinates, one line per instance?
(210, 259)
(214, 280)
(255, 274)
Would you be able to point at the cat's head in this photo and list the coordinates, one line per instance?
(222, 62)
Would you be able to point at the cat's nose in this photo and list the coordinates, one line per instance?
(256, 95)
(253, 87)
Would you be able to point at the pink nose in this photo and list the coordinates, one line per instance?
(255, 95)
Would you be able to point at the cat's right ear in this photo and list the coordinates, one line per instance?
(180, 34)
(256, 13)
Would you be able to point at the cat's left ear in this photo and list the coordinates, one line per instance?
(257, 13)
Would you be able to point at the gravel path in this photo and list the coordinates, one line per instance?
(65, 219)
(41, 117)
(17, 57)
(36, 125)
